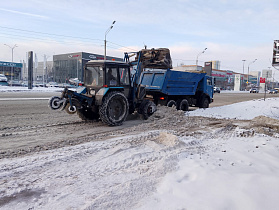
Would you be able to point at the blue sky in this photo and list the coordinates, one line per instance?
(232, 30)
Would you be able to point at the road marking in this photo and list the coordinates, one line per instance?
(20, 99)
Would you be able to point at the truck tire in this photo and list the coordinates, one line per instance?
(204, 103)
(147, 108)
(87, 114)
(114, 109)
(171, 103)
(183, 105)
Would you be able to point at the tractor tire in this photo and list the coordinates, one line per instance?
(87, 114)
(183, 105)
(171, 103)
(115, 109)
(147, 108)
(204, 103)
(55, 103)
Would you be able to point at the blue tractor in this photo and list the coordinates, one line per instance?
(109, 93)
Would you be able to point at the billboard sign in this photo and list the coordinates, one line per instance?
(208, 68)
(275, 59)
(262, 80)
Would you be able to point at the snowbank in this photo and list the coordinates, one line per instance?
(244, 111)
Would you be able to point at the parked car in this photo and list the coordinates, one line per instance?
(52, 84)
(3, 78)
(254, 90)
(272, 91)
(3, 83)
(216, 90)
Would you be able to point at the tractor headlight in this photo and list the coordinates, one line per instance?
(92, 92)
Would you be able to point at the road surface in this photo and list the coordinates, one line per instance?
(28, 125)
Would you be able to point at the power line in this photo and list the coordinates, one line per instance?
(59, 35)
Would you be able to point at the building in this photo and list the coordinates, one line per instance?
(42, 71)
(225, 79)
(188, 68)
(11, 70)
(215, 64)
(71, 65)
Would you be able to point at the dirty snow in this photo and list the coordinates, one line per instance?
(232, 164)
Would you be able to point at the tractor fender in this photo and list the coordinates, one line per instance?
(103, 91)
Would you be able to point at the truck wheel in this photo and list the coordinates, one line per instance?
(171, 103)
(147, 108)
(204, 103)
(114, 109)
(86, 114)
(183, 105)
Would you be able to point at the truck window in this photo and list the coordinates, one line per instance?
(209, 82)
(124, 76)
(93, 76)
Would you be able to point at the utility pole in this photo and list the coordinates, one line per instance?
(243, 75)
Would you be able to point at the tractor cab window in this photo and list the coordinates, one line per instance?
(93, 76)
(124, 76)
(111, 76)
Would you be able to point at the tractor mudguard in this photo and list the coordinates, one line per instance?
(102, 92)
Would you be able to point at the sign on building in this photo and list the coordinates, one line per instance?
(275, 59)
(237, 78)
(262, 80)
(208, 68)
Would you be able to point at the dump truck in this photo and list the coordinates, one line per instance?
(169, 87)
(114, 89)
(179, 89)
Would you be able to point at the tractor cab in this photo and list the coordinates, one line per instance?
(107, 74)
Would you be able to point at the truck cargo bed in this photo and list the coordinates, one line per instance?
(171, 82)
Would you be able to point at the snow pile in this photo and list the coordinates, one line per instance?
(243, 111)
(240, 174)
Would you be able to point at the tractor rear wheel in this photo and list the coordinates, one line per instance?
(114, 109)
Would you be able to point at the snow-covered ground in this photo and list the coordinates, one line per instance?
(233, 164)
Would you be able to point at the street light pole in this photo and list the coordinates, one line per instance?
(105, 57)
(199, 55)
(243, 75)
(12, 48)
(248, 70)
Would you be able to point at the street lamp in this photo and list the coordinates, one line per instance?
(243, 84)
(106, 39)
(12, 48)
(199, 55)
(248, 70)
(243, 65)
